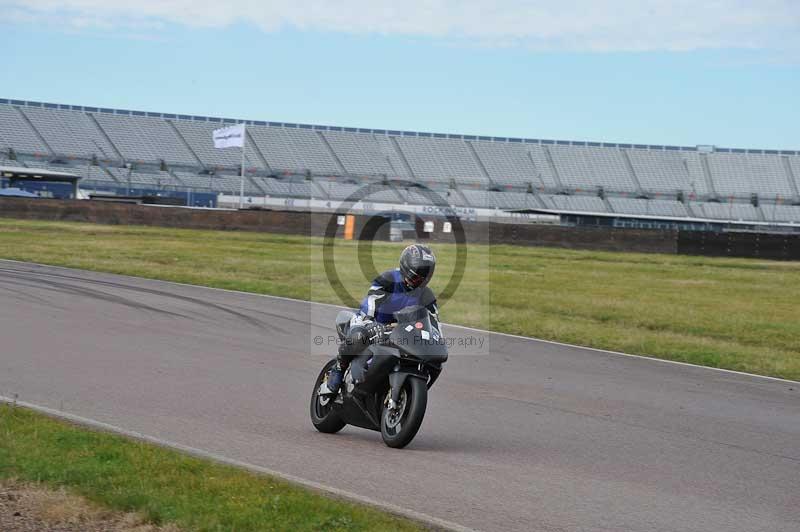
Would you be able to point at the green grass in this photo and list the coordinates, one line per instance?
(739, 314)
(167, 486)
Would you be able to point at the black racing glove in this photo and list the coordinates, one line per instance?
(361, 336)
(377, 333)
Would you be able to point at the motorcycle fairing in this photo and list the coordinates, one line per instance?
(416, 335)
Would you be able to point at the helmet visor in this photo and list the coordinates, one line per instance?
(418, 277)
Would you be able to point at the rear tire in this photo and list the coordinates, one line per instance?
(324, 417)
(399, 429)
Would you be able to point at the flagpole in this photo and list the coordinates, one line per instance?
(241, 184)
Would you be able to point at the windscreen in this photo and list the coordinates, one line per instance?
(418, 335)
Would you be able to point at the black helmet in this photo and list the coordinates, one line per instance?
(417, 263)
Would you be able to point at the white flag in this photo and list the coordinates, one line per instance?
(229, 137)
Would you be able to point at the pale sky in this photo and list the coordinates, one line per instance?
(721, 72)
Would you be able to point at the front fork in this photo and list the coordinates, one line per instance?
(397, 378)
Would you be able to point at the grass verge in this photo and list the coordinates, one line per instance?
(32, 507)
(738, 314)
(167, 487)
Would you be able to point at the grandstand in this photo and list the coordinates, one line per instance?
(121, 151)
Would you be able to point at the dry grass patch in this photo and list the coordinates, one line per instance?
(31, 508)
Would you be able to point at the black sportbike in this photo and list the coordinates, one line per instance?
(386, 387)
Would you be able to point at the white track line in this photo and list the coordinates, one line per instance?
(316, 486)
(516, 336)
(619, 353)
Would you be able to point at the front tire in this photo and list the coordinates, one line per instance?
(324, 416)
(399, 426)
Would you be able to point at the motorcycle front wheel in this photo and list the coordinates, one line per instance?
(323, 414)
(400, 425)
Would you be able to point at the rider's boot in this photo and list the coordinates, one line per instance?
(356, 340)
(335, 377)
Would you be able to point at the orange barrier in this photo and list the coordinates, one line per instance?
(349, 226)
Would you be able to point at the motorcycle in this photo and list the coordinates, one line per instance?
(386, 387)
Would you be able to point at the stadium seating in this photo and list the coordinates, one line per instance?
(699, 177)
(781, 213)
(662, 171)
(417, 196)
(176, 151)
(742, 174)
(16, 133)
(512, 200)
(96, 177)
(155, 180)
(294, 150)
(381, 194)
(337, 191)
(192, 180)
(368, 191)
(312, 151)
(794, 169)
(648, 207)
(509, 163)
(499, 200)
(441, 160)
(589, 168)
(145, 139)
(70, 133)
(729, 211)
(230, 184)
(359, 153)
(289, 189)
(394, 159)
(543, 161)
(574, 203)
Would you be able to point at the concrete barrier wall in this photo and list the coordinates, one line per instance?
(124, 214)
(268, 221)
(753, 245)
(770, 246)
(597, 238)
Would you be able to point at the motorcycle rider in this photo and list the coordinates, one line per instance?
(391, 291)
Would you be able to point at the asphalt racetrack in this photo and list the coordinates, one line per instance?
(520, 434)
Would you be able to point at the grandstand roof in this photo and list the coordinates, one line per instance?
(14, 192)
(15, 174)
(22, 172)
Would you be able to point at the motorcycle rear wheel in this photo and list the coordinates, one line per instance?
(323, 416)
(399, 426)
